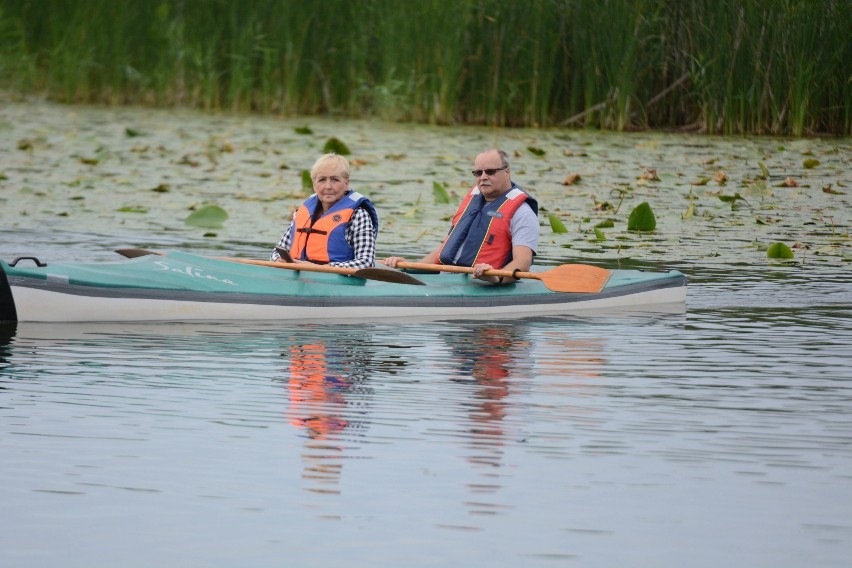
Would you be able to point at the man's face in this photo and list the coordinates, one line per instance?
(494, 185)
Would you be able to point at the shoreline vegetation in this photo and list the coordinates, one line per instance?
(779, 67)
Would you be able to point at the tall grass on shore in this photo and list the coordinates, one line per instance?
(720, 66)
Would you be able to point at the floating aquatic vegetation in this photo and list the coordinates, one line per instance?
(690, 220)
(439, 190)
(779, 250)
(556, 223)
(571, 179)
(733, 200)
(335, 145)
(188, 160)
(650, 174)
(208, 216)
(415, 208)
(642, 218)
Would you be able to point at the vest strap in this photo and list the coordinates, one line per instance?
(311, 230)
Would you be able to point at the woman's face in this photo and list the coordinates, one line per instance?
(330, 185)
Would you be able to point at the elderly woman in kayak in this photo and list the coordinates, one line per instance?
(496, 225)
(336, 225)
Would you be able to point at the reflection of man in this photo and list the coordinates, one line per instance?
(488, 356)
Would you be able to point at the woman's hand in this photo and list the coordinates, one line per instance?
(392, 261)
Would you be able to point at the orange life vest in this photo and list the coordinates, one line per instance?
(324, 240)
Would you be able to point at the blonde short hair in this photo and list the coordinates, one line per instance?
(333, 162)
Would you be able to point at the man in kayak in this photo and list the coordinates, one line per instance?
(496, 225)
(336, 225)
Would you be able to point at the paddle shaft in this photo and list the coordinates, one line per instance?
(573, 278)
(380, 274)
(466, 270)
(307, 267)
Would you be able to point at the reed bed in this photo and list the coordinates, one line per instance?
(718, 66)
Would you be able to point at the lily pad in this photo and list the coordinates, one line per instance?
(642, 218)
(132, 209)
(307, 182)
(336, 146)
(779, 250)
(440, 193)
(556, 224)
(810, 163)
(209, 216)
(733, 199)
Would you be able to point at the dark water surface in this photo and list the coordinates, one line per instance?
(721, 436)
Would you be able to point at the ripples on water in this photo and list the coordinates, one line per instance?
(721, 436)
(718, 437)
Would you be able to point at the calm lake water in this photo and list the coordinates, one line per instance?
(719, 436)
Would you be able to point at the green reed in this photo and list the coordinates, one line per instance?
(725, 66)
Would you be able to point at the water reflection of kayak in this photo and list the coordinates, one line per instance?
(185, 287)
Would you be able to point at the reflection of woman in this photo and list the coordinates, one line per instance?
(336, 225)
(329, 396)
(316, 397)
(317, 405)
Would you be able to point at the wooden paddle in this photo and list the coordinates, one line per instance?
(381, 274)
(580, 278)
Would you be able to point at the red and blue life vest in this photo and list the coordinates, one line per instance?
(324, 240)
(480, 231)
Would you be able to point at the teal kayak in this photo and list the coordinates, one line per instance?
(178, 286)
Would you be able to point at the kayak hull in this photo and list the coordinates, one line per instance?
(181, 287)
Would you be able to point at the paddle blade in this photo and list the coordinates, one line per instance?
(388, 275)
(135, 253)
(285, 256)
(579, 278)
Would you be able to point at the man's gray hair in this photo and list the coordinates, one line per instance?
(504, 158)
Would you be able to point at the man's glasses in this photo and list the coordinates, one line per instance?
(478, 173)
